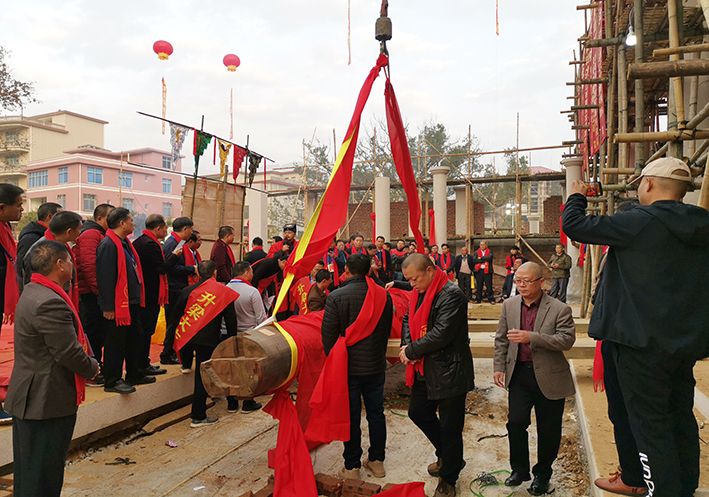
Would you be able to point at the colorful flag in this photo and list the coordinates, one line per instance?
(331, 212)
(497, 17)
(239, 154)
(224, 148)
(177, 138)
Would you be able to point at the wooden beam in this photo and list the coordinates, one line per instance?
(584, 107)
(662, 136)
(589, 6)
(702, 47)
(663, 36)
(669, 69)
(580, 126)
(594, 81)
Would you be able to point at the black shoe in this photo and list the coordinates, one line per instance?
(170, 361)
(96, 382)
(154, 371)
(232, 405)
(119, 387)
(250, 406)
(516, 479)
(540, 486)
(142, 381)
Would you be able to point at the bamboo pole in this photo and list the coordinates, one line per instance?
(693, 96)
(469, 213)
(620, 40)
(668, 69)
(518, 191)
(592, 81)
(699, 151)
(662, 136)
(702, 47)
(639, 10)
(619, 170)
(586, 277)
(676, 83)
(704, 192)
(622, 105)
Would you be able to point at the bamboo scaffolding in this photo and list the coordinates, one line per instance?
(668, 69)
(702, 47)
(677, 135)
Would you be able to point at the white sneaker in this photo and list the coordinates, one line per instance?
(185, 370)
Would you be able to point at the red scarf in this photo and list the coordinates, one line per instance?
(446, 263)
(203, 305)
(230, 253)
(122, 303)
(354, 251)
(74, 287)
(598, 368)
(164, 286)
(330, 419)
(79, 380)
(382, 259)
(485, 265)
(12, 291)
(189, 259)
(418, 319)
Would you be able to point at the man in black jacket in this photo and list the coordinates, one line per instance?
(482, 260)
(178, 279)
(658, 330)
(32, 232)
(123, 341)
(205, 341)
(366, 365)
(448, 366)
(154, 265)
(463, 271)
(257, 253)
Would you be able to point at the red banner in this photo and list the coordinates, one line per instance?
(592, 68)
(204, 304)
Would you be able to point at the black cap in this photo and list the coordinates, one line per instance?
(290, 227)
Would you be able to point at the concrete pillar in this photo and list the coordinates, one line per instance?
(440, 202)
(533, 223)
(460, 209)
(574, 171)
(382, 206)
(311, 202)
(258, 214)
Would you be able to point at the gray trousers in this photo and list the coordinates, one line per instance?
(558, 288)
(464, 284)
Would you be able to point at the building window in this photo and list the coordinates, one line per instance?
(534, 189)
(166, 185)
(13, 160)
(125, 180)
(146, 207)
(534, 204)
(128, 203)
(12, 136)
(166, 162)
(63, 175)
(61, 200)
(167, 209)
(94, 175)
(12, 181)
(38, 178)
(89, 202)
(146, 177)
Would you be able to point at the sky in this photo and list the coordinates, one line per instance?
(294, 81)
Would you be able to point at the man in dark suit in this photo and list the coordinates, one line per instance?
(178, 279)
(222, 255)
(463, 271)
(45, 388)
(155, 267)
(257, 253)
(529, 361)
(482, 260)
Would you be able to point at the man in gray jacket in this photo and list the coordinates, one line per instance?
(42, 396)
(533, 332)
(560, 264)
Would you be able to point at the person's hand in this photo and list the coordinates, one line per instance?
(499, 378)
(98, 372)
(518, 336)
(554, 265)
(110, 315)
(403, 358)
(578, 186)
(195, 270)
(389, 285)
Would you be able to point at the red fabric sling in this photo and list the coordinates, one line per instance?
(333, 268)
(12, 291)
(446, 263)
(598, 368)
(483, 265)
(79, 380)
(164, 286)
(418, 319)
(330, 401)
(122, 308)
(230, 253)
(74, 286)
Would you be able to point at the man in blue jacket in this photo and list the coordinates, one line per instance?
(657, 328)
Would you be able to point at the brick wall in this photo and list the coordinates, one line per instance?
(552, 213)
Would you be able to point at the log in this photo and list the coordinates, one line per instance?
(702, 47)
(593, 81)
(584, 107)
(662, 136)
(669, 69)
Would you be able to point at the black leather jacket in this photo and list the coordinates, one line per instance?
(445, 349)
(342, 307)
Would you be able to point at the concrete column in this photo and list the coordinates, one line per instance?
(440, 202)
(460, 209)
(311, 202)
(258, 214)
(533, 223)
(382, 206)
(574, 171)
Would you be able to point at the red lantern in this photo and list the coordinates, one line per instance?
(231, 62)
(163, 49)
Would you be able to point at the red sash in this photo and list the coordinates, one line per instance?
(230, 253)
(164, 287)
(300, 294)
(330, 401)
(418, 319)
(354, 251)
(382, 259)
(79, 380)
(204, 304)
(484, 265)
(12, 291)
(121, 298)
(74, 287)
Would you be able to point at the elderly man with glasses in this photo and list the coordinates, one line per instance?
(533, 332)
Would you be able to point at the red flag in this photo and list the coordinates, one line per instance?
(331, 212)
(402, 160)
(373, 217)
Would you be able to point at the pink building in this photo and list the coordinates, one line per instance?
(141, 180)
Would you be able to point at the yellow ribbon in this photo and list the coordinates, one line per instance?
(293, 354)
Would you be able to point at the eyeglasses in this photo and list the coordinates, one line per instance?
(525, 282)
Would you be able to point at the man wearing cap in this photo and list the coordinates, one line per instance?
(636, 313)
(289, 231)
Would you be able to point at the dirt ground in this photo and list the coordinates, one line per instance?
(230, 457)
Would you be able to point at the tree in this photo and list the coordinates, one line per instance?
(25, 220)
(13, 93)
